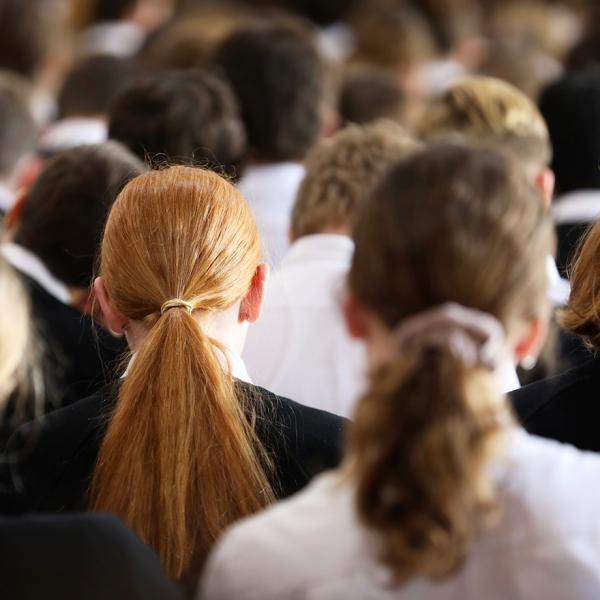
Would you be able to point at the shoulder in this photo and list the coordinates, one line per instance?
(532, 399)
(280, 540)
(556, 486)
(91, 556)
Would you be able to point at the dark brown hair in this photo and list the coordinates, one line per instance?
(279, 79)
(452, 224)
(186, 117)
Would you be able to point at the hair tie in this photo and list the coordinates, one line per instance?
(471, 336)
(176, 303)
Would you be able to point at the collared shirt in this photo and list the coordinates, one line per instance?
(68, 133)
(545, 544)
(559, 289)
(271, 192)
(7, 198)
(300, 348)
(581, 206)
(29, 264)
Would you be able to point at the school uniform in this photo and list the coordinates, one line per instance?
(271, 192)
(51, 462)
(77, 557)
(565, 408)
(545, 544)
(301, 344)
(78, 357)
(573, 213)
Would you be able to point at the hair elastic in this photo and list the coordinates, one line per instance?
(176, 303)
(474, 337)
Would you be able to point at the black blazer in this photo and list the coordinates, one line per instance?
(78, 557)
(78, 358)
(57, 457)
(565, 408)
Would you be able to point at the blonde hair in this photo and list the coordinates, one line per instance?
(492, 111)
(582, 316)
(180, 460)
(453, 224)
(341, 172)
(17, 353)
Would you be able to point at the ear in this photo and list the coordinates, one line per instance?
(113, 318)
(252, 303)
(544, 182)
(532, 341)
(355, 316)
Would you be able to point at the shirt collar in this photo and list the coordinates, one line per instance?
(29, 264)
(7, 198)
(320, 246)
(576, 207)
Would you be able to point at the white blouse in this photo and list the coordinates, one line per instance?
(546, 544)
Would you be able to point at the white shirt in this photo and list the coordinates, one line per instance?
(559, 289)
(300, 348)
(546, 544)
(29, 264)
(71, 132)
(582, 206)
(271, 192)
(7, 198)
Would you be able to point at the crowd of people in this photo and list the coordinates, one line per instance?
(299, 299)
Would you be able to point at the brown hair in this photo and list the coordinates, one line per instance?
(341, 171)
(492, 111)
(452, 224)
(582, 316)
(180, 460)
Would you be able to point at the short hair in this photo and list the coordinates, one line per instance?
(370, 93)
(183, 116)
(22, 36)
(571, 107)
(341, 172)
(92, 85)
(279, 78)
(64, 214)
(18, 133)
(494, 112)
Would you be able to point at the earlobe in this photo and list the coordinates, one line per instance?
(113, 318)
(531, 344)
(252, 303)
(544, 182)
(354, 315)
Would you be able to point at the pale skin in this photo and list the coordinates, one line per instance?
(524, 339)
(229, 327)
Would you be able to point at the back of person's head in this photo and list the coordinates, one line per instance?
(278, 77)
(18, 133)
(66, 208)
(454, 224)
(195, 241)
(494, 112)
(340, 173)
(92, 84)
(582, 316)
(571, 107)
(22, 36)
(183, 116)
(370, 93)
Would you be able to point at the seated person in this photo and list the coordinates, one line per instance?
(18, 138)
(278, 77)
(181, 276)
(182, 116)
(83, 102)
(300, 347)
(53, 247)
(66, 557)
(441, 495)
(566, 407)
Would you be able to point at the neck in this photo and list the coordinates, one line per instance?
(224, 327)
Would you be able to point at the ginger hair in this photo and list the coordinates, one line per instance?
(180, 460)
